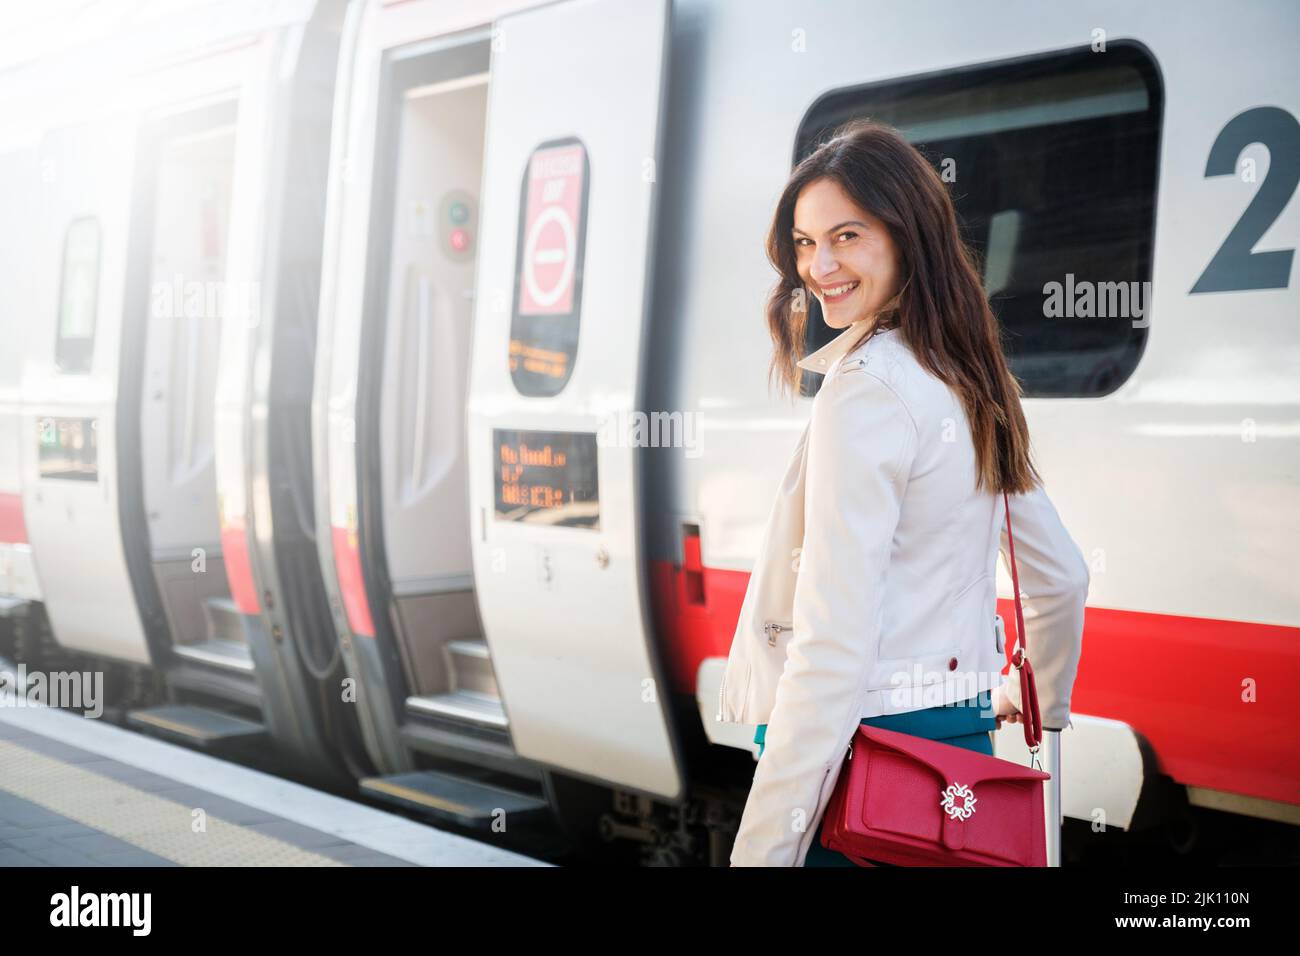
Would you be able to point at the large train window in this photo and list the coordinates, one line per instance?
(1052, 162)
(78, 295)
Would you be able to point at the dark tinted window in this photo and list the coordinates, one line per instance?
(1052, 166)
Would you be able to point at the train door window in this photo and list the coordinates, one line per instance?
(1052, 164)
(78, 294)
(549, 254)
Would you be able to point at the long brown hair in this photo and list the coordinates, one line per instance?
(940, 309)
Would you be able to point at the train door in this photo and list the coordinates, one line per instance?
(179, 305)
(398, 560)
(278, 606)
(169, 399)
(191, 160)
(19, 182)
(404, 304)
(560, 322)
(74, 498)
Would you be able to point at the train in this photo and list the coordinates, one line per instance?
(384, 384)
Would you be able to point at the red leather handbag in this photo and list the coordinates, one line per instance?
(910, 801)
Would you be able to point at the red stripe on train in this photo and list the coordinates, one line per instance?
(352, 585)
(239, 569)
(1214, 698)
(13, 529)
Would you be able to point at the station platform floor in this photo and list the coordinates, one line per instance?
(80, 792)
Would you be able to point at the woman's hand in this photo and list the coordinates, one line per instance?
(1003, 709)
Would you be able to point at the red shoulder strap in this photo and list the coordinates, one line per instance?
(1033, 721)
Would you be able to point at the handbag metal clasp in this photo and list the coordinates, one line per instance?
(958, 811)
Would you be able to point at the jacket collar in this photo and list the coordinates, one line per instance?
(821, 360)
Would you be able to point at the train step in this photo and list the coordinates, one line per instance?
(225, 647)
(224, 620)
(198, 726)
(461, 705)
(453, 799)
(470, 667)
(215, 652)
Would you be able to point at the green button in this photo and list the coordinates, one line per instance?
(459, 212)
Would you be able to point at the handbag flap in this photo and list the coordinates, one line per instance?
(949, 762)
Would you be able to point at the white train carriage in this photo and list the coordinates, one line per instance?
(158, 413)
(542, 446)
(526, 579)
(1135, 213)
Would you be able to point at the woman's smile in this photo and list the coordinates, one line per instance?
(838, 293)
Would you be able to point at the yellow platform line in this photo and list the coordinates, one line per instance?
(420, 797)
(184, 730)
(153, 823)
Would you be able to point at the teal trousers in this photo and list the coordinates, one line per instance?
(966, 723)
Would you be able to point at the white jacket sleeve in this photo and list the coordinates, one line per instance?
(861, 445)
(1054, 582)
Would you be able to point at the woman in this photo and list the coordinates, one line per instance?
(873, 596)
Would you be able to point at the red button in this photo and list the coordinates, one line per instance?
(952, 663)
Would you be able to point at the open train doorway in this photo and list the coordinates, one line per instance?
(437, 358)
(193, 159)
(398, 561)
(421, 440)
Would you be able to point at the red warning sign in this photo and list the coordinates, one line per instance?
(552, 223)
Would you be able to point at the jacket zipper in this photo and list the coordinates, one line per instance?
(825, 775)
(773, 629)
(812, 829)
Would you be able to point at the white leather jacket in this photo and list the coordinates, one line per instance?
(875, 585)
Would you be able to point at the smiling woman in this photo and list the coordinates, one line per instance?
(867, 226)
(843, 253)
(890, 502)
